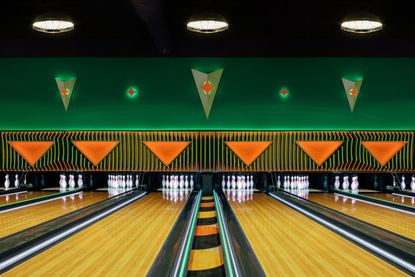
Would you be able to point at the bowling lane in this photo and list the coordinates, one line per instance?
(392, 220)
(122, 244)
(16, 197)
(290, 244)
(20, 219)
(398, 199)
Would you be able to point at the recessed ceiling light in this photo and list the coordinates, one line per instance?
(361, 23)
(53, 23)
(207, 24)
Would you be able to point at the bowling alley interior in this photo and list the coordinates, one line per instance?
(207, 138)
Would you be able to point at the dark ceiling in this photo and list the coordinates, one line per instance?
(157, 28)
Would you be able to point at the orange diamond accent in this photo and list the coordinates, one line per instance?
(354, 91)
(64, 91)
(207, 87)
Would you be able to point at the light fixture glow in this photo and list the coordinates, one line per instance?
(207, 24)
(361, 23)
(53, 23)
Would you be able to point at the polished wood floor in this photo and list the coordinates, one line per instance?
(398, 199)
(16, 197)
(20, 219)
(122, 244)
(392, 220)
(290, 244)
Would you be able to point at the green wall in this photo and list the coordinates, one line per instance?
(247, 97)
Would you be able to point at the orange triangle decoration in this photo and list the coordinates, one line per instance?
(167, 151)
(31, 151)
(383, 151)
(248, 151)
(319, 151)
(95, 151)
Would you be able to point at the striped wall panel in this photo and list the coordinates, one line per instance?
(207, 151)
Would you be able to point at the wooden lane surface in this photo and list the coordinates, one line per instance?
(398, 199)
(287, 243)
(13, 198)
(395, 221)
(20, 219)
(122, 244)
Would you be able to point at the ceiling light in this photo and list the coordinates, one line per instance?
(361, 23)
(207, 24)
(53, 23)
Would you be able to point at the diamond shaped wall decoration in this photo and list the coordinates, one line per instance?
(207, 85)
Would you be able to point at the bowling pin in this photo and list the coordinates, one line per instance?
(354, 183)
(223, 182)
(7, 182)
(192, 183)
(64, 183)
(413, 184)
(278, 182)
(181, 183)
(233, 182)
(186, 182)
(228, 182)
(337, 182)
(345, 184)
(80, 181)
(71, 181)
(16, 181)
(403, 185)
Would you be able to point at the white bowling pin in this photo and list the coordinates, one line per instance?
(16, 181)
(413, 183)
(181, 183)
(192, 183)
(7, 182)
(345, 184)
(403, 185)
(337, 182)
(186, 182)
(233, 182)
(71, 181)
(278, 182)
(80, 181)
(228, 182)
(354, 183)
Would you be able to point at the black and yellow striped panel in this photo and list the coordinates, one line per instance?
(206, 257)
(207, 151)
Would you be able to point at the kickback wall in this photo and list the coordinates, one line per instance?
(247, 98)
(207, 151)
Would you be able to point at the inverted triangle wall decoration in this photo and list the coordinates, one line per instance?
(383, 151)
(248, 151)
(207, 85)
(352, 89)
(31, 151)
(66, 87)
(166, 151)
(319, 151)
(95, 151)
